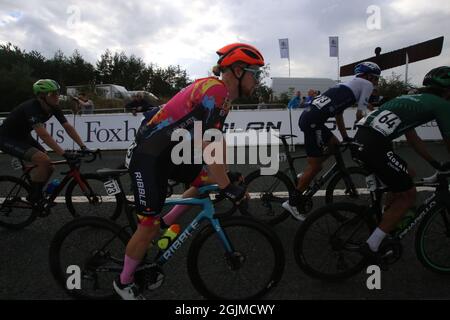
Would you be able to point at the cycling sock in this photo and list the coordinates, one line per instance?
(175, 213)
(375, 239)
(129, 267)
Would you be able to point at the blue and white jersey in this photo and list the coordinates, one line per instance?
(338, 98)
(362, 90)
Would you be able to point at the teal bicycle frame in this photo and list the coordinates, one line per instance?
(208, 213)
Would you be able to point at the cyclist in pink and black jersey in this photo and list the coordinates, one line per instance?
(149, 159)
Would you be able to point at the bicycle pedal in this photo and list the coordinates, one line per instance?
(151, 276)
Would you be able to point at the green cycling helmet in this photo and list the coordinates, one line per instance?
(45, 86)
(439, 77)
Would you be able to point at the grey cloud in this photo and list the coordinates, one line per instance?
(307, 24)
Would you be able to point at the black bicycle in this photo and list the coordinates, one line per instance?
(268, 192)
(84, 195)
(326, 244)
(229, 257)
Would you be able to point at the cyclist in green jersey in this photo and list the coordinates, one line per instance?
(393, 119)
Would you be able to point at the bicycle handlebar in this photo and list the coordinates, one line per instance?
(432, 180)
(93, 154)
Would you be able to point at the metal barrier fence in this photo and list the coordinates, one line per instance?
(261, 106)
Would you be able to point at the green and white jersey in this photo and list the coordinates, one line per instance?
(398, 116)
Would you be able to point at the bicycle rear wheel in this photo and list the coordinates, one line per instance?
(96, 246)
(15, 211)
(326, 243)
(249, 272)
(433, 241)
(267, 195)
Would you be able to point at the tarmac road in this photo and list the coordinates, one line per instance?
(24, 269)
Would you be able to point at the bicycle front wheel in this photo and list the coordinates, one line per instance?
(253, 268)
(91, 199)
(327, 242)
(267, 194)
(433, 241)
(351, 188)
(15, 211)
(95, 247)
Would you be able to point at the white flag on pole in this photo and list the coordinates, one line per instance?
(334, 46)
(284, 48)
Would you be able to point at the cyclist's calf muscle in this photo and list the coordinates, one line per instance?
(401, 203)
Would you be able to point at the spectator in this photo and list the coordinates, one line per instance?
(138, 104)
(84, 105)
(295, 101)
(311, 95)
(303, 103)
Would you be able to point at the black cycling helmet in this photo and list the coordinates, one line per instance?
(439, 77)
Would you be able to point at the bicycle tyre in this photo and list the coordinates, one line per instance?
(207, 237)
(26, 207)
(306, 253)
(427, 234)
(96, 199)
(267, 207)
(59, 269)
(359, 172)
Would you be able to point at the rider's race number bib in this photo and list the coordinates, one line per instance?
(112, 187)
(321, 101)
(386, 122)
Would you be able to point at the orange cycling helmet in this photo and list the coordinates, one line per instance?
(239, 52)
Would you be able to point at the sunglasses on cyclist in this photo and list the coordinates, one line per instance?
(53, 93)
(257, 73)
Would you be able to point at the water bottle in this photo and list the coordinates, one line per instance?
(168, 236)
(407, 218)
(52, 186)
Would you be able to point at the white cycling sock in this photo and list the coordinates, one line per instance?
(375, 239)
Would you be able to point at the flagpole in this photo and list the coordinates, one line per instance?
(289, 64)
(406, 69)
(338, 73)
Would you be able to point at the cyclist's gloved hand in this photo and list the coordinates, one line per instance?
(233, 192)
(235, 176)
(86, 150)
(71, 157)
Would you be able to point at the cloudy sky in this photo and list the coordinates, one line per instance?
(188, 32)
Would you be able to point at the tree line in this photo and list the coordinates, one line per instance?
(19, 69)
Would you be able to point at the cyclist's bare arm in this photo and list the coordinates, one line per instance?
(219, 170)
(73, 133)
(341, 125)
(47, 138)
(418, 145)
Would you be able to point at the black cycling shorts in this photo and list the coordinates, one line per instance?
(317, 135)
(149, 175)
(378, 157)
(23, 148)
